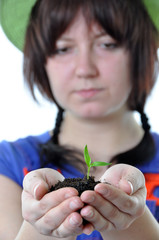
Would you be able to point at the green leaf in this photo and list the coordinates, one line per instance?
(95, 164)
(87, 157)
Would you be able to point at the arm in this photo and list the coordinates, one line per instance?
(10, 208)
(28, 232)
(145, 227)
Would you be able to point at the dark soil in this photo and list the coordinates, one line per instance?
(81, 184)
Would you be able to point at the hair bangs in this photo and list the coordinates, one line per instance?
(56, 16)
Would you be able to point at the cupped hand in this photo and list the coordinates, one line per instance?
(116, 205)
(51, 213)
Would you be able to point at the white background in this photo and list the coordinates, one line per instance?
(20, 116)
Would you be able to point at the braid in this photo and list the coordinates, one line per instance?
(58, 122)
(144, 119)
(52, 152)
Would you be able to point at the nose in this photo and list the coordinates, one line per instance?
(85, 65)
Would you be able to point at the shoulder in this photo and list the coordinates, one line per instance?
(27, 145)
(20, 156)
(155, 160)
(151, 173)
(156, 138)
(153, 165)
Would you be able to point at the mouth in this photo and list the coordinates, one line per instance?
(88, 93)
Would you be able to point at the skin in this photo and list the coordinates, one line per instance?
(10, 199)
(115, 210)
(92, 83)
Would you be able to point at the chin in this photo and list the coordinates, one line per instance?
(92, 114)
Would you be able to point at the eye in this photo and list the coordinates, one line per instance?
(109, 45)
(62, 51)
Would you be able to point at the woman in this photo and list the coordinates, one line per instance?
(91, 59)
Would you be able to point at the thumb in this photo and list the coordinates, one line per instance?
(126, 186)
(126, 177)
(38, 182)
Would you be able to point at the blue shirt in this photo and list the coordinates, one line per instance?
(22, 155)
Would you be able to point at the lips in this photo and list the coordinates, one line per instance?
(88, 93)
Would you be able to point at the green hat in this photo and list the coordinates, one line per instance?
(14, 17)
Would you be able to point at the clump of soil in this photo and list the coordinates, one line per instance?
(81, 184)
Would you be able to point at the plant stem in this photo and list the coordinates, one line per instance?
(88, 172)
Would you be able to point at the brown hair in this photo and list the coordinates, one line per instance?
(126, 21)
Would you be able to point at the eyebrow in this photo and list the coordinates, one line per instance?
(101, 34)
(98, 35)
(64, 39)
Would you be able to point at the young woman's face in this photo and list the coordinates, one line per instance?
(89, 72)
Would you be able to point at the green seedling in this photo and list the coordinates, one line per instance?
(90, 163)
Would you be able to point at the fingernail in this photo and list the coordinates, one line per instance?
(90, 199)
(73, 221)
(69, 194)
(35, 190)
(104, 191)
(89, 214)
(89, 230)
(74, 205)
(131, 186)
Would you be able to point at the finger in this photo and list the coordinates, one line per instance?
(96, 219)
(33, 209)
(106, 210)
(126, 186)
(88, 228)
(132, 205)
(57, 215)
(71, 226)
(38, 182)
(125, 177)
